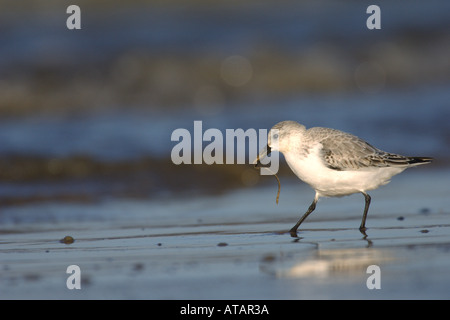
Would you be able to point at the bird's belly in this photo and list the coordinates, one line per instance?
(334, 183)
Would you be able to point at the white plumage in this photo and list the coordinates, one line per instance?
(335, 163)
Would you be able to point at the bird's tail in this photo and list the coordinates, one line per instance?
(396, 160)
(415, 161)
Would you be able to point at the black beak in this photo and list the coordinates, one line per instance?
(267, 150)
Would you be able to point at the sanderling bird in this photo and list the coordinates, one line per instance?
(334, 163)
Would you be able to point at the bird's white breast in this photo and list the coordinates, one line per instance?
(329, 182)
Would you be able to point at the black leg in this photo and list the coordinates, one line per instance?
(363, 228)
(311, 208)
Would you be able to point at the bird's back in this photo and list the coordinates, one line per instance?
(345, 151)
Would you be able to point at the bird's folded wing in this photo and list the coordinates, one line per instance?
(343, 151)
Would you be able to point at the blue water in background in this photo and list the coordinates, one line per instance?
(415, 124)
(39, 32)
(409, 118)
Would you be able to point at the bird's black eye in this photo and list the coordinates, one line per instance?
(275, 136)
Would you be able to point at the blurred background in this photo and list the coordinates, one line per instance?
(88, 114)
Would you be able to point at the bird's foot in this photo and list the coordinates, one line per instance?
(293, 233)
(363, 231)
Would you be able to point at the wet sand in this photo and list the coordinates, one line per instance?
(234, 245)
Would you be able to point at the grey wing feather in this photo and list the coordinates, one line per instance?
(343, 151)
